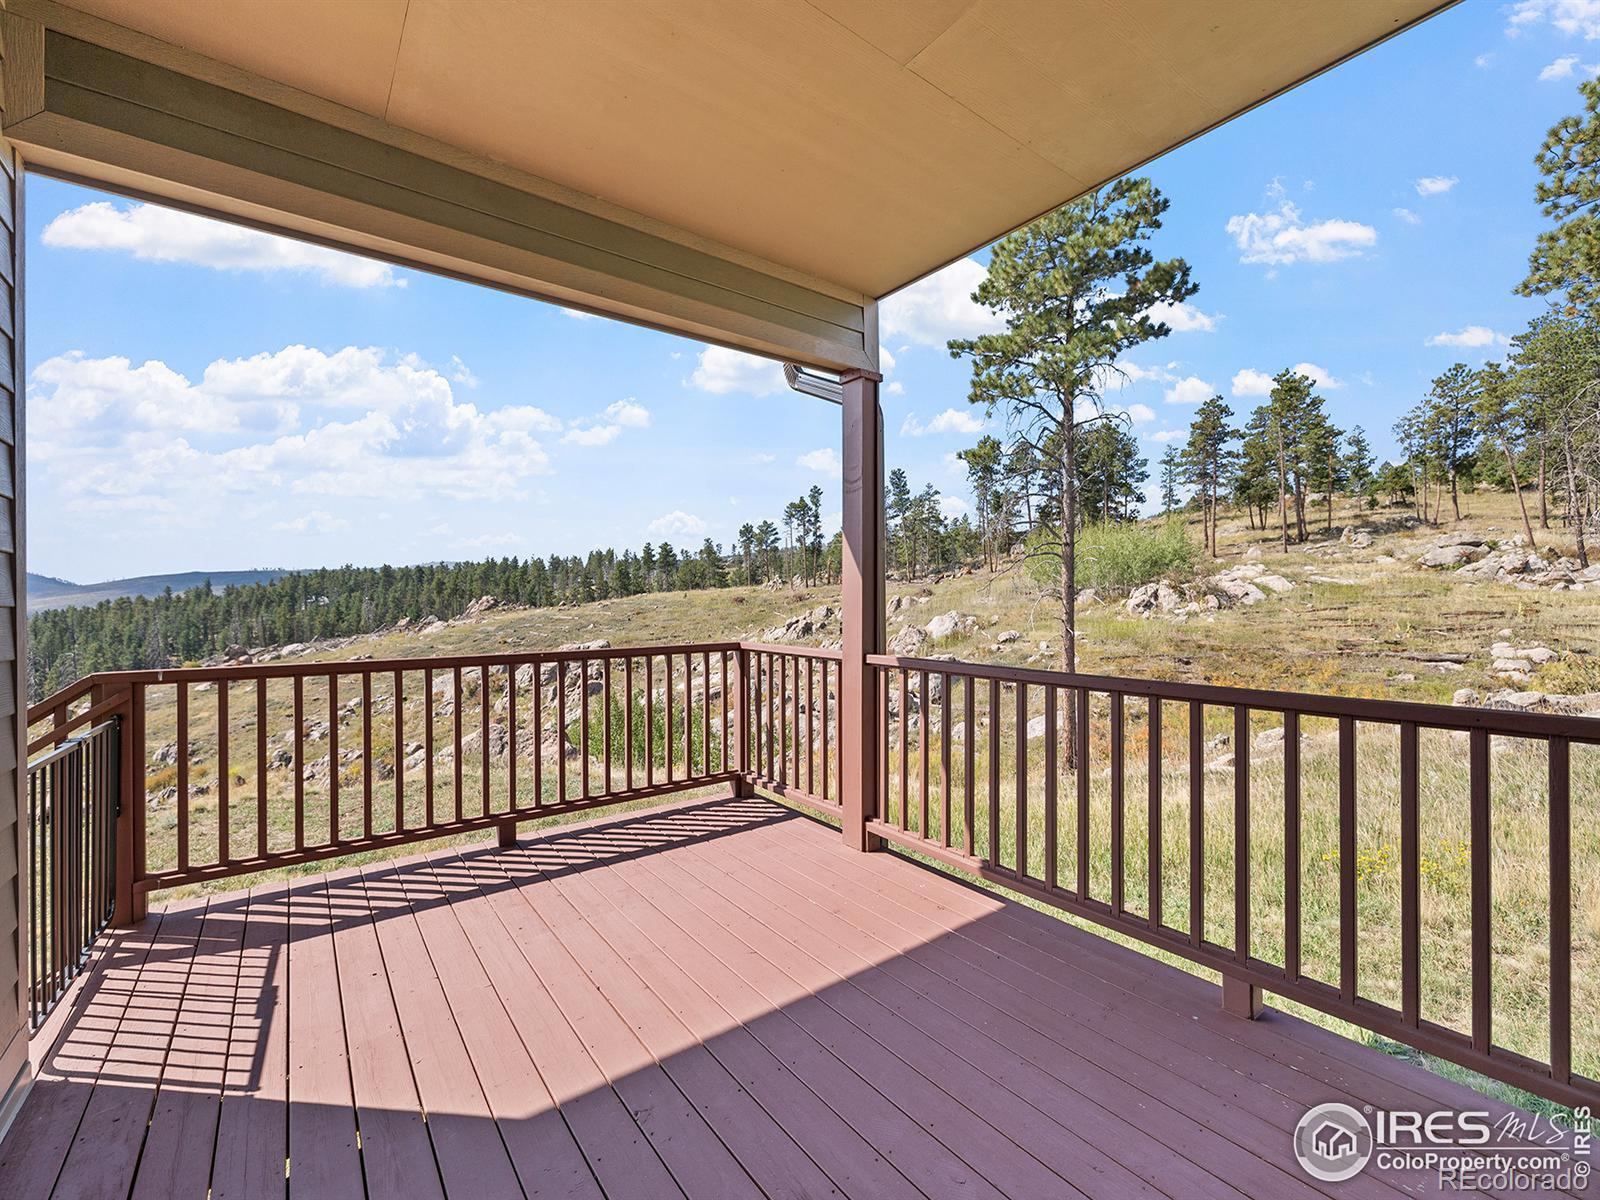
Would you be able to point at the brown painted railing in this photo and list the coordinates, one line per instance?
(71, 812)
(257, 767)
(794, 722)
(1317, 847)
(1023, 777)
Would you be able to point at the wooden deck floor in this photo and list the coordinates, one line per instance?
(714, 1000)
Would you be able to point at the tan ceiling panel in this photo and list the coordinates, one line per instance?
(1121, 81)
(859, 142)
(902, 29)
(769, 127)
(341, 50)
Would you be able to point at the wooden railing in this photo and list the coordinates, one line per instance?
(794, 722)
(1338, 852)
(1397, 865)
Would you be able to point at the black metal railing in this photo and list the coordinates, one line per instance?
(73, 800)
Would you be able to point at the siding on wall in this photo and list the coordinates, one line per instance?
(13, 647)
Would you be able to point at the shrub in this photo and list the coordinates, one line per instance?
(1120, 555)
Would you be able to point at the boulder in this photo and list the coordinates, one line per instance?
(1466, 697)
(950, 624)
(1007, 637)
(1440, 558)
(1275, 583)
(478, 607)
(908, 643)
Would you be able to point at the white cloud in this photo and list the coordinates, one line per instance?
(1251, 382)
(1189, 390)
(762, 458)
(315, 521)
(720, 371)
(1283, 236)
(1140, 414)
(297, 422)
(492, 541)
(1565, 67)
(1470, 338)
(824, 462)
(577, 314)
(628, 413)
(951, 420)
(896, 388)
(676, 523)
(1571, 17)
(155, 234)
(953, 507)
(1185, 318)
(1168, 435)
(1435, 185)
(1406, 215)
(592, 435)
(1320, 376)
(1483, 61)
(461, 373)
(933, 310)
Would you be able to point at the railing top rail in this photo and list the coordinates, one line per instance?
(71, 694)
(1433, 716)
(70, 745)
(793, 651)
(364, 666)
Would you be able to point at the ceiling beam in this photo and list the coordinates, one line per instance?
(156, 122)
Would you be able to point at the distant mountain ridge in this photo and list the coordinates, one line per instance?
(45, 591)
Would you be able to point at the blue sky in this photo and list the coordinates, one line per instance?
(206, 398)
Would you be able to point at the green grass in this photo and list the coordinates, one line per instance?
(1122, 555)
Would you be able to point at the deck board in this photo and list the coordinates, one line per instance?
(713, 1000)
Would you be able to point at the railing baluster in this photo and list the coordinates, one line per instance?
(705, 712)
(1021, 831)
(583, 725)
(1410, 881)
(1482, 897)
(968, 759)
(605, 699)
(688, 716)
(428, 718)
(649, 721)
(183, 775)
(722, 671)
(224, 851)
(1291, 844)
(483, 739)
(1153, 820)
(1560, 910)
(399, 751)
(1348, 922)
(993, 857)
(1197, 823)
(882, 689)
(627, 717)
(783, 718)
(511, 736)
(923, 722)
(811, 724)
(1241, 833)
(827, 729)
(1117, 814)
(944, 761)
(1051, 871)
(261, 765)
(536, 703)
(335, 834)
(299, 786)
(455, 757)
(1080, 760)
(561, 728)
(366, 752)
(905, 753)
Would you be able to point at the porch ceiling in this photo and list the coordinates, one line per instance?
(859, 142)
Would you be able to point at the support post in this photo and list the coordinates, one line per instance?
(508, 834)
(131, 905)
(1241, 998)
(862, 580)
(744, 784)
